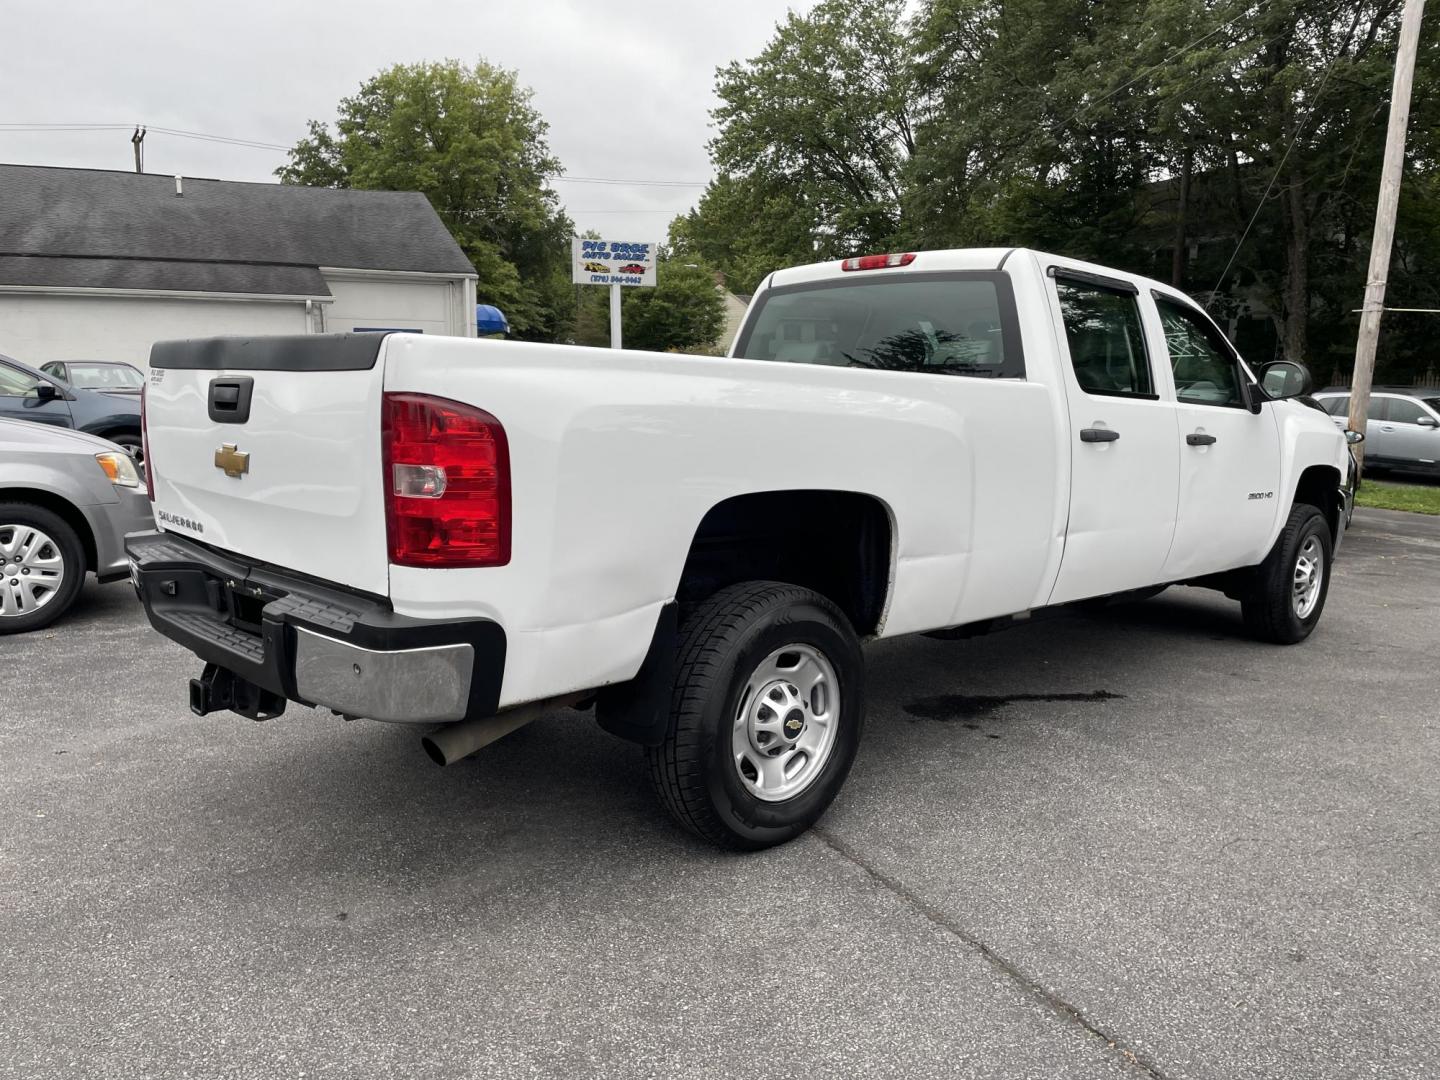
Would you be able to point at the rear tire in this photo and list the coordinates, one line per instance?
(1292, 583)
(42, 566)
(765, 716)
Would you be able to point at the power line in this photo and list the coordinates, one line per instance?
(205, 136)
(1295, 138)
(1150, 70)
(637, 183)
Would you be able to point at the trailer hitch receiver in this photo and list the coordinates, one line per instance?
(219, 689)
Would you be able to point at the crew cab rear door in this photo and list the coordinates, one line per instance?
(1124, 450)
(269, 447)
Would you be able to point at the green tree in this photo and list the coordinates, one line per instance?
(683, 312)
(813, 139)
(470, 139)
(747, 227)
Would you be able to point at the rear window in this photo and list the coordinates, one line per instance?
(935, 324)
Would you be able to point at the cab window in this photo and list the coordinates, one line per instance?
(934, 324)
(1107, 345)
(1206, 371)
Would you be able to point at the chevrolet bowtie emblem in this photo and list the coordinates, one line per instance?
(234, 462)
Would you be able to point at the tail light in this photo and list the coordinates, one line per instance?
(148, 464)
(447, 483)
(878, 262)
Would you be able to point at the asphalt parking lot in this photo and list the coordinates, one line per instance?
(1130, 844)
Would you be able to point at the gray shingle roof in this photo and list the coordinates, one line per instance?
(169, 275)
(92, 228)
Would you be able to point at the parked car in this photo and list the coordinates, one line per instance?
(944, 442)
(1402, 426)
(106, 376)
(67, 500)
(28, 394)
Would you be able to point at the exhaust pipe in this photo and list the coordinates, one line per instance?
(450, 743)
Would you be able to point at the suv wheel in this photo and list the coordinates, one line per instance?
(43, 567)
(765, 717)
(132, 444)
(1293, 581)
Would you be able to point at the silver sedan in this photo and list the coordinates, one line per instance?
(67, 500)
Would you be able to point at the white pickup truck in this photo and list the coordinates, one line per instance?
(462, 534)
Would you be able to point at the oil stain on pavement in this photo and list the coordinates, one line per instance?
(966, 707)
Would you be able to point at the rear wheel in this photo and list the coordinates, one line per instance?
(43, 567)
(765, 716)
(1293, 581)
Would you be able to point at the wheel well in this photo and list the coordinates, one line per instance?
(1319, 485)
(835, 542)
(65, 509)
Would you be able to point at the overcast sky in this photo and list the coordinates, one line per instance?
(626, 87)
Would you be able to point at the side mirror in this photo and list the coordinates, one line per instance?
(1353, 437)
(46, 392)
(1286, 379)
(1427, 421)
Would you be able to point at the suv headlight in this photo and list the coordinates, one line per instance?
(120, 468)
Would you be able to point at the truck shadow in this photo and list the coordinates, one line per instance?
(560, 800)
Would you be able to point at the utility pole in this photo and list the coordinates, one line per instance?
(1384, 221)
(138, 140)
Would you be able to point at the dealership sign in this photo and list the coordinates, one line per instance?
(613, 262)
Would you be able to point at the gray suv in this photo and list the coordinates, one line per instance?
(1402, 426)
(67, 500)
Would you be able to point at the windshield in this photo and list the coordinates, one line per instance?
(950, 324)
(105, 377)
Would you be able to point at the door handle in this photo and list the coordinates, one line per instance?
(1200, 440)
(1098, 434)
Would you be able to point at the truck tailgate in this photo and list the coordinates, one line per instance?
(270, 448)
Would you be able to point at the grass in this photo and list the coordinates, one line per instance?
(1388, 495)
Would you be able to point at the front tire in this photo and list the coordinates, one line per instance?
(1292, 583)
(765, 716)
(42, 566)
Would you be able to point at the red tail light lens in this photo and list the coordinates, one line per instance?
(149, 462)
(447, 483)
(878, 262)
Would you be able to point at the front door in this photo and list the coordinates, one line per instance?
(1229, 456)
(1410, 434)
(1123, 443)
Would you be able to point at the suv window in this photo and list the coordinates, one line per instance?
(1205, 369)
(1107, 344)
(1404, 411)
(1340, 406)
(16, 383)
(937, 324)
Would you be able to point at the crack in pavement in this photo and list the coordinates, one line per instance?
(1051, 1000)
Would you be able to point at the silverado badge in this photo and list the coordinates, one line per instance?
(234, 462)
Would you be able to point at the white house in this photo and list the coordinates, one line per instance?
(100, 265)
